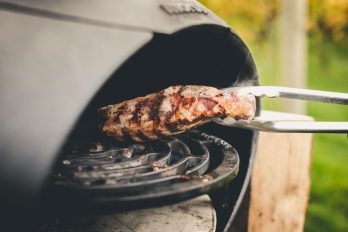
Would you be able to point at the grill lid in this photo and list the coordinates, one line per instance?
(104, 175)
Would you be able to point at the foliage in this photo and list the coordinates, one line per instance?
(329, 18)
(251, 18)
(328, 207)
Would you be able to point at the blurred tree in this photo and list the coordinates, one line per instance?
(251, 18)
(329, 18)
(328, 21)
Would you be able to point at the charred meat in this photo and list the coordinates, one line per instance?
(173, 110)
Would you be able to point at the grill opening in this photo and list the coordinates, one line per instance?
(201, 55)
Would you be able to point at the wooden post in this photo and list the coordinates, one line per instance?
(280, 183)
(293, 49)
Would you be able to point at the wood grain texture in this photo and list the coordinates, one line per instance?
(280, 182)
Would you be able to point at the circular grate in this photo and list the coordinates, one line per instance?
(113, 175)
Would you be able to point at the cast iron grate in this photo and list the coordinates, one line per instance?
(139, 175)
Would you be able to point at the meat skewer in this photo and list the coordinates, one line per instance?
(172, 111)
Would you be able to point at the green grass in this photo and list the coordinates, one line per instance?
(327, 70)
(328, 208)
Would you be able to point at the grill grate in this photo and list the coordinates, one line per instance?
(167, 170)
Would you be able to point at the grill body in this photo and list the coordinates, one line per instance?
(61, 60)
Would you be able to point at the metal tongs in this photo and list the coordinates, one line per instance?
(293, 125)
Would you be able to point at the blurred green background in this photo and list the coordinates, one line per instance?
(257, 21)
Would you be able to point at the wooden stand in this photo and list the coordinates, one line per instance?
(280, 182)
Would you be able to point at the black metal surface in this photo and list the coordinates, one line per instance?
(104, 174)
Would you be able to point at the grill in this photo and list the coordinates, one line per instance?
(87, 55)
(105, 174)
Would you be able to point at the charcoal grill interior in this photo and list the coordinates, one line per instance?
(201, 55)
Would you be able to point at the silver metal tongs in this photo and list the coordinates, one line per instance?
(292, 125)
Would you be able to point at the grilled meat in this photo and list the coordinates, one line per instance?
(173, 110)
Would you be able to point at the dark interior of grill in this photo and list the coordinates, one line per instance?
(202, 55)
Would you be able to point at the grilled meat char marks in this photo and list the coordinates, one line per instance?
(173, 110)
